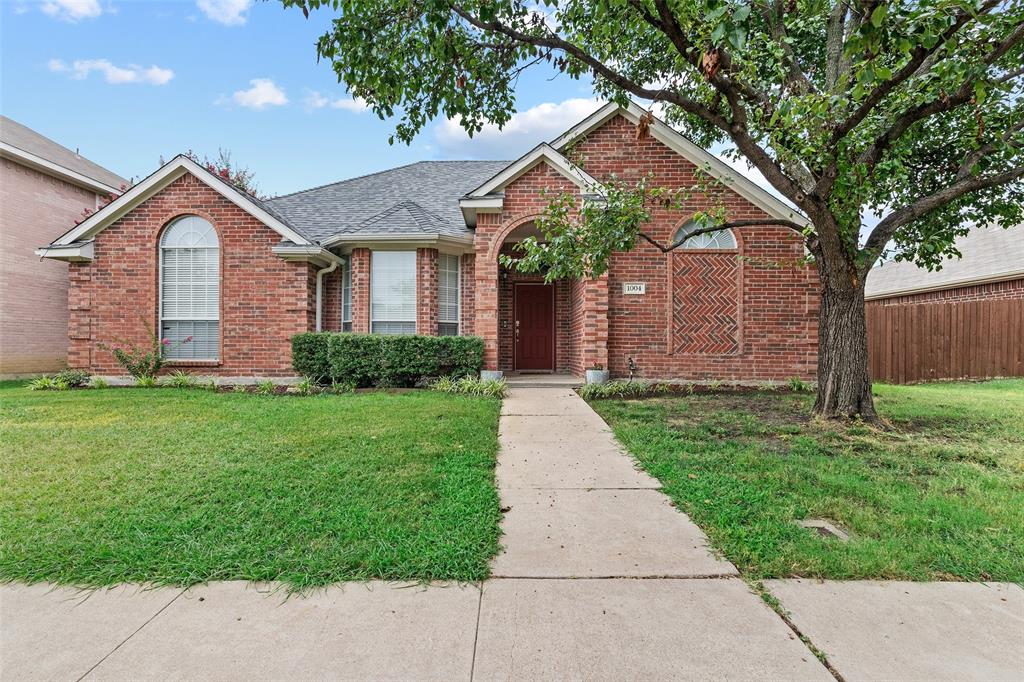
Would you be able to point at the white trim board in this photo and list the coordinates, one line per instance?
(36, 162)
(164, 176)
(700, 157)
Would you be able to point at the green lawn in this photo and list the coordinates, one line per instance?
(184, 486)
(941, 496)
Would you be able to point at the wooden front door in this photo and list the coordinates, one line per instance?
(534, 327)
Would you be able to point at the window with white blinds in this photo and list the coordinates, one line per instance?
(190, 290)
(448, 295)
(346, 296)
(393, 292)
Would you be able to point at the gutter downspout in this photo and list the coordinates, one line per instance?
(320, 288)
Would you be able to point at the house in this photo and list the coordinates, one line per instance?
(415, 249)
(963, 321)
(991, 268)
(44, 187)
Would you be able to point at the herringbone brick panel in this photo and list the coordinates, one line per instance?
(705, 303)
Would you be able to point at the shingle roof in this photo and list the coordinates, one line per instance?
(988, 253)
(28, 140)
(419, 197)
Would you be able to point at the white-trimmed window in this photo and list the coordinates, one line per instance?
(448, 295)
(722, 239)
(346, 296)
(190, 290)
(393, 292)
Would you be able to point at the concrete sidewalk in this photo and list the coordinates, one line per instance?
(600, 578)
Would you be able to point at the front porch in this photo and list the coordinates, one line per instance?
(553, 329)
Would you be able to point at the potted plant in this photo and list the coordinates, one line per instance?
(597, 374)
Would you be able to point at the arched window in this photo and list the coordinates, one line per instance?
(722, 239)
(190, 290)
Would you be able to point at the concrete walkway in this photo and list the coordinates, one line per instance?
(600, 578)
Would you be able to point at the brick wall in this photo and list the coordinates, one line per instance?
(360, 261)
(467, 292)
(35, 209)
(264, 299)
(993, 291)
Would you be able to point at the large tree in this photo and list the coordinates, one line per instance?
(908, 111)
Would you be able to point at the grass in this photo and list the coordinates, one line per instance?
(170, 486)
(938, 497)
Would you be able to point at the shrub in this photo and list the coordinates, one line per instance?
(623, 389)
(492, 388)
(265, 387)
(139, 361)
(309, 356)
(387, 361)
(74, 378)
(181, 379)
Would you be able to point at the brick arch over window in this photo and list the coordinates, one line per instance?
(706, 285)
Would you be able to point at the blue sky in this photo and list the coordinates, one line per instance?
(127, 82)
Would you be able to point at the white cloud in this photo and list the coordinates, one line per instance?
(314, 100)
(263, 93)
(132, 73)
(525, 130)
(72, 10)
(227, 12)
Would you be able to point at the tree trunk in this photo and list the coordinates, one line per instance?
(844, 379)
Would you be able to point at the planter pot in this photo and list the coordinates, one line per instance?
(597, 376)
(491, 375)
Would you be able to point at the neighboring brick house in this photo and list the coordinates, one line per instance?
(44, 187)
(415, 249)
(991, 269)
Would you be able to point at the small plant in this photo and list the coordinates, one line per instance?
(304, 387)
(239, 388)
(74, 378)
(798, 385)
(623, 389)
(145, 382)
(42, 384)
(210, 385)
(181, 379)
(342, 387)
(139, 361)
(265, 387)
(490, 388)
(99, 382)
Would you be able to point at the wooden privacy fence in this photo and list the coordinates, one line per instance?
(963, 340)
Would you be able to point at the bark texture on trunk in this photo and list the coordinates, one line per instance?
(844, 377)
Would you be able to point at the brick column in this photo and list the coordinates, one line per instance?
(360, 263)
(486, 308)
(594, 336)
(467, 294)
(80, 340)
(426, 292)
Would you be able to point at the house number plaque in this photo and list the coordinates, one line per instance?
(634, 288)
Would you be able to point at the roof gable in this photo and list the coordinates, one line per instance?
(541, 153)
(678, 143)
(164, 176)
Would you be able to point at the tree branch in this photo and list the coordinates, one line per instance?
(796, 227)
(885, 229)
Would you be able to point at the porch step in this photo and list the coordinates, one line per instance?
(543, 381)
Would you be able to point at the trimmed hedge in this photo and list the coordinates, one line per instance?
(386, 361)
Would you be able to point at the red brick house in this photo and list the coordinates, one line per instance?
(44, 187)
(415, 249)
